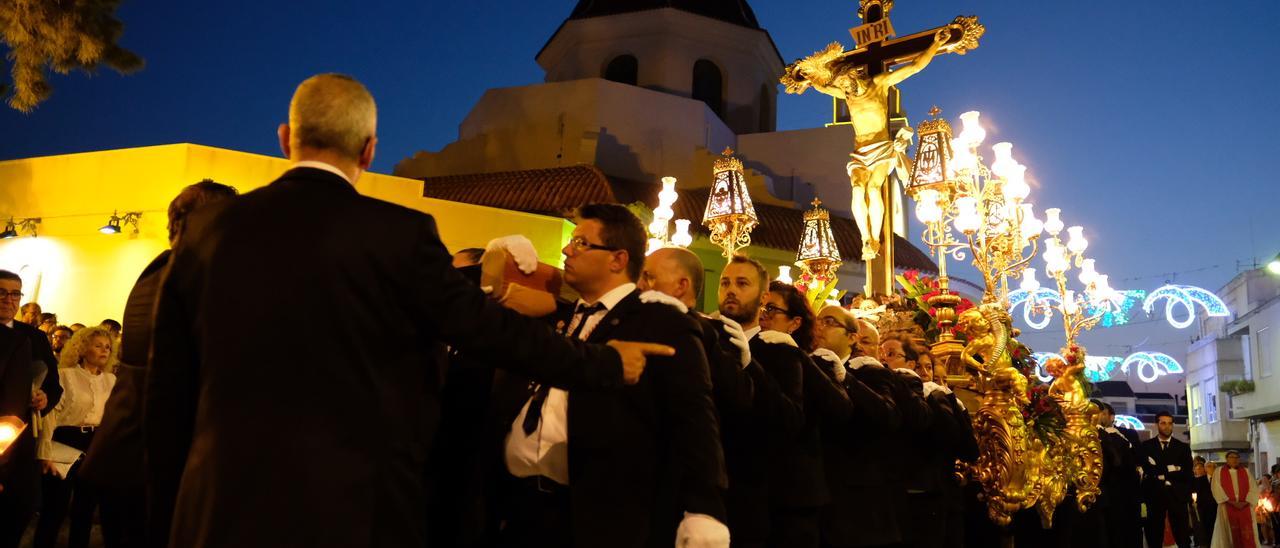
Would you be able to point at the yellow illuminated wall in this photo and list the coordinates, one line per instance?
(85, 276)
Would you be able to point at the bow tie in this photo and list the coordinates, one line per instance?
(586, 310)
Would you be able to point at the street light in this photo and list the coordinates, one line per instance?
(1274, 266)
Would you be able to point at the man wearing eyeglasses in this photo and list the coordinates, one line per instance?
(638, 466)
(21, 475)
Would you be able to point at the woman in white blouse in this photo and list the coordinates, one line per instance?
(86, 383)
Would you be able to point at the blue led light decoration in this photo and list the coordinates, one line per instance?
(1186, 297)
(1148, 366)
(1180, 306)
(1130, 422)
(1096, 368)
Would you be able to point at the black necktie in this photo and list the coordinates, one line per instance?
(539, 397)
(1164, 445)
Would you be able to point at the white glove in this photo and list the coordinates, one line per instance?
(860, 361)
(652, 296)
(1174, 468)
(738, 338)
(701, 531)
(931, 387)
(837, 368)
(777, 337)
(520, 249)
(909, 372)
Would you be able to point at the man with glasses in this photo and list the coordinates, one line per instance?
(22, 475)
(862, 511)
(636, 466)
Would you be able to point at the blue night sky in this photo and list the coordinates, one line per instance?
(1153, 124)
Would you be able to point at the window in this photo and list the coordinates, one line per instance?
(1267, 344)
(623, 69)
(708, 85)
(1196, 417)
(1211, 400)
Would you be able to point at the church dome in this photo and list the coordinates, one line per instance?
(736, 12)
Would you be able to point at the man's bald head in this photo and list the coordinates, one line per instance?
(676, 272)
(332, 112)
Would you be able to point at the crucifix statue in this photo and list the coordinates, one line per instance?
(863, 79)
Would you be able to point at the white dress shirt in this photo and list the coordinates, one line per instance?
(84, 396)
(324, 166)
(545, 452)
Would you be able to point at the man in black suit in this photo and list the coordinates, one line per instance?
(114, 463)
(1166, 483)
(1120, 499)
(640, 466)
(777, 419)
(320, 441)
(18, 501)
(859, 454)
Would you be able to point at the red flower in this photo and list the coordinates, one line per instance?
(911, 275)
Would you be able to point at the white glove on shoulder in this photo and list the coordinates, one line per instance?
(777, 337)
(652, 296)
(860, 361)
(738, 338)
(701, 531)
(833, 360)
(931, 387)
(520, 249)
(908, 372)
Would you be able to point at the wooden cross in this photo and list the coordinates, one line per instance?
(878, 57)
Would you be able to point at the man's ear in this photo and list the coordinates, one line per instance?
(620, 261)
(283, 133)
(366, 154)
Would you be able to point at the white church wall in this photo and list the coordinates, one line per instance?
(804, 162)
(666, 43)
(624, 130)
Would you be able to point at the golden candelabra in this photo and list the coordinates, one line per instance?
(956, 192)
(730, 215)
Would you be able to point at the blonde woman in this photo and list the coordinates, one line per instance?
(86, 381)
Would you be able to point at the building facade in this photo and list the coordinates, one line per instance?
(1232, 393)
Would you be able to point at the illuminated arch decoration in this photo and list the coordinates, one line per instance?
(1036, 303)
(1130, 422)
(1150, 366)
(1096, 368)
(1180, 306)
(1186, 297)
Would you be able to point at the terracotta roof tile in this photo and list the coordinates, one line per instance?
(558, 191)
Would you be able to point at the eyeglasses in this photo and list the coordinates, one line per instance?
(828, 321)
(12, 295)
(580, 244)
(771, 310)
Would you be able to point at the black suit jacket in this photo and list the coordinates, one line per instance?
(292, 392)
(115, 458)
(40, 350)
(859, 472)
(642, 455)
(795, 448)
(15, 400)
(1155, 464)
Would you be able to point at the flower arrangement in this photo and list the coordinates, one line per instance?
(1043, 414)
(918, 290)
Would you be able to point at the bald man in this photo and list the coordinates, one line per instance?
(321, 442)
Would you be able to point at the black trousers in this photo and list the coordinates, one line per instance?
(536, 515)
(72, 497)
(794, 528)
(1153, 527)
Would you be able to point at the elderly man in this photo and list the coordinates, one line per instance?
(1237, 494)
(321, 442)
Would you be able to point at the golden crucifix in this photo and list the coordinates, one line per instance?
(862, 78)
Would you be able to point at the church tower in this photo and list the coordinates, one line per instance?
(711, 50)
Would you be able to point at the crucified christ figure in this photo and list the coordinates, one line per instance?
(875, 155)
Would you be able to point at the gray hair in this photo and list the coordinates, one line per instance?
(332, 112)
